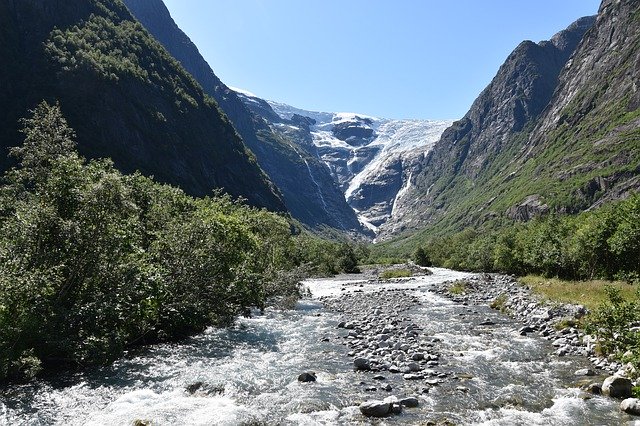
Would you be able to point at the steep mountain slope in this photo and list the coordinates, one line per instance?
(306, 186)
(468, 176)
(371, 159)
(124, 95)
(585, 149)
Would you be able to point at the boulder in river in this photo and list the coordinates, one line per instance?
(361, 364)
(617, 387)
(409, 402)
(585, 372)
(308, 376)
(631, 406)
(375, 408)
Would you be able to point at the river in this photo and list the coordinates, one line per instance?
(247, 374)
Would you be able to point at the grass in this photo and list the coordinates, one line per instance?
(500, 303)
(591, 293)
(396, 273)
(458, 287)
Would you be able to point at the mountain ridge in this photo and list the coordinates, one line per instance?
(457, 181)
(125, 96)
(293, 171)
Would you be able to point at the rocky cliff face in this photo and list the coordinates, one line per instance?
(306, 185)
(459, 181)
(372, 160)
(126, 97)
(593, 120)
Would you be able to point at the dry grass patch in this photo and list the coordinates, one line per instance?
(591, 293)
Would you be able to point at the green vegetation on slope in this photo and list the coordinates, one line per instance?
(93, 261)
(124, 95)
(604, 243)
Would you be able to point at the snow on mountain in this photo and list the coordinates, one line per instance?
(371, 159)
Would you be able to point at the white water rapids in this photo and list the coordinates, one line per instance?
(254, 367)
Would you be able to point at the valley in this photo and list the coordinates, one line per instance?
(176, 250)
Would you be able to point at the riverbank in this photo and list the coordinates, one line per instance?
(462, 364)
(553, 321)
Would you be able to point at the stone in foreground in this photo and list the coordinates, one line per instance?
(375, 408)
(631, 406)
(617, 387)
(409, 402)
(306, 377)
(361, 364)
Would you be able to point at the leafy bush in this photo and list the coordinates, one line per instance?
(600, 244)
(616, 325)
(421, 258)
(93, 262)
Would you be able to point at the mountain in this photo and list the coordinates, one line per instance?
(125, 96)
(371, 159)
(307, 187)
(476, 172)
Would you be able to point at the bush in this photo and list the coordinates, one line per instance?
(421, 258)
(93, 262)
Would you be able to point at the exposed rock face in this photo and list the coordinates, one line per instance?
(307, 188)
(478, 149)
(147, 115)
(372, 160)
(594, 115)
(531, 207)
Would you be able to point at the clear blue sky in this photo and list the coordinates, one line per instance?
(387, 58)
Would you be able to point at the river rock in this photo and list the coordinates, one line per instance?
(308, 376)
(584, 372)
(410, 376)
(617, 387)
(194, 387)
(361, 364)
(409, 402)
(375, 408)
(631, 406)
(594, 388)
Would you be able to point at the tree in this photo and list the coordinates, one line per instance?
(421, 258)
(348, 261)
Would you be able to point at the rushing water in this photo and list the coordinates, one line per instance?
(250, 375)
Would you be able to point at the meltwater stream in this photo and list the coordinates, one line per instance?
(249, 375)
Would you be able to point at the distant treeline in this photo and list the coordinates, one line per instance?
(603, 243)
(93, 262)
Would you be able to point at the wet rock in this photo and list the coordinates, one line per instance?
(584, 372)
(526, 329)
(412, 366)
(631, 406)
(306, 377)
(617, 387)
(375, 408)
(409, 402)
(361, 364)
(378, 377)
(194, 387)
(418, 356)
(412, 376)
(387, 388)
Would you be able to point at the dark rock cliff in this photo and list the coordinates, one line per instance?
(477, 149)
(125, 96)
(305, 183)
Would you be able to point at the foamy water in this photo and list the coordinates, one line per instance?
(250, 374)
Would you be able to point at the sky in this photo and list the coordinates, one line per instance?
(421, 59)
